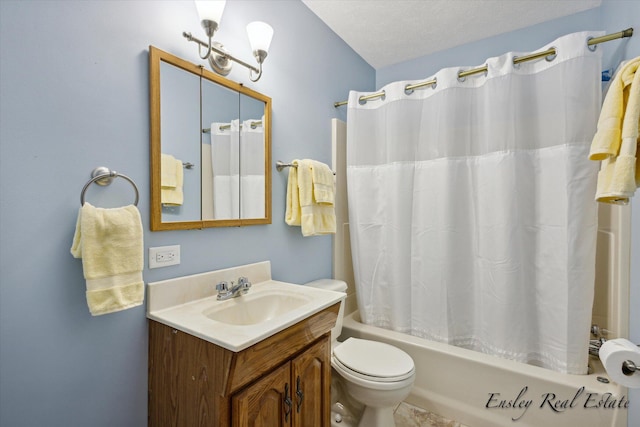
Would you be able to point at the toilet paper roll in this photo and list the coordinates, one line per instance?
(613, 353)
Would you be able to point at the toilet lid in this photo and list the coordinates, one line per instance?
(374, 359)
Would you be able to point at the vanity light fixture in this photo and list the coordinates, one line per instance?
(259, 33)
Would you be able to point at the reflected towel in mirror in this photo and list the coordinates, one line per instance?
(171, 181)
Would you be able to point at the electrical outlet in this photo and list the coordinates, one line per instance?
(164, 256)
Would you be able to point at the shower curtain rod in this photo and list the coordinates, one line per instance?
(516, 60)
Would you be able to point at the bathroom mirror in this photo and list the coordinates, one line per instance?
(210, 148)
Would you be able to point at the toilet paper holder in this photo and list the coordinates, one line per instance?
(629, 368)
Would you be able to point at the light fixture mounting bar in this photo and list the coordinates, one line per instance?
(191, 38)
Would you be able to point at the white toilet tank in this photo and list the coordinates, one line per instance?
(337, 286)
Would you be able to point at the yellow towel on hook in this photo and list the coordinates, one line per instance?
(302, 208)
(619, 172)
(171, 180)
(110, 243)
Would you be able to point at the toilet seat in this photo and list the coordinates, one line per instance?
(389, 364)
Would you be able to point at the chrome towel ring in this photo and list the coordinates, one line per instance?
(104, 176)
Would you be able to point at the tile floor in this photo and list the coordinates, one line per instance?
(407, 415)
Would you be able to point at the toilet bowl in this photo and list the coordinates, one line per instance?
(377, 375)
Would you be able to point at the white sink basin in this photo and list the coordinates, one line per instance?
(237, 323)
(250, 309)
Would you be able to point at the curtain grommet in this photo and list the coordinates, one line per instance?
(409, 89)
(553, 56)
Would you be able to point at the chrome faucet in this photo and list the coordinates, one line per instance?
(224, 293)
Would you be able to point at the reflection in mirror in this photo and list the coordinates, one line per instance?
(210, 148)
(252, 166)
(220, 152)
(180, 112)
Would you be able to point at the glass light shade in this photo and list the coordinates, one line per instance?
(210, 10)
(260, 34)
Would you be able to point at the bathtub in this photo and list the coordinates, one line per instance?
(480, 390)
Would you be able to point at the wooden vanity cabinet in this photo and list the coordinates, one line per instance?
(292, 395)
(284, 380)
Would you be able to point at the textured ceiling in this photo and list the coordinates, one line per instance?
(388, 32)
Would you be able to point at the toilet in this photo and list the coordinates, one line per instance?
(377, 375)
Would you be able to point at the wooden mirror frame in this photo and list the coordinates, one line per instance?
(156, 56)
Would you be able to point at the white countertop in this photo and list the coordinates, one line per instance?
(191, 316)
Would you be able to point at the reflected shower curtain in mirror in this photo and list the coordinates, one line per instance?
(471, 206)
(225, 158)
(252, 169)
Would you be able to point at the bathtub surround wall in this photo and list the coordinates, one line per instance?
(84, 103)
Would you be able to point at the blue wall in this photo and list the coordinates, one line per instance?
(74, 95)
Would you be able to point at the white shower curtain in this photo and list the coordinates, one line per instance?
(225, 159)
(471, 206)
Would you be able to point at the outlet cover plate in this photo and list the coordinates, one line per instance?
(164, 256)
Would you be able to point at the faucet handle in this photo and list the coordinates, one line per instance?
(222, 286)
(244, 283)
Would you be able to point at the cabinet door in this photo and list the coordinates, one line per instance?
(311, 379)
(262, 404)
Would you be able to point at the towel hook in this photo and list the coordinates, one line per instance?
(104, 176)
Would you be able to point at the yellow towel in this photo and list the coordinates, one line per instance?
(323, 183)
(171, 180)
(167, 171)
(110, 243)
(293, 212)
(617, 146)
(302, 207)
(606, 141)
